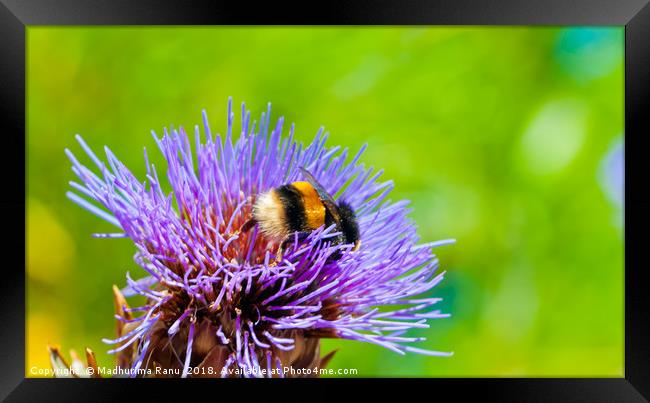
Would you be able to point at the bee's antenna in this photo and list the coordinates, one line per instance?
(304, 170)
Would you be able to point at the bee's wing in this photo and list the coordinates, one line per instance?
(325, 197)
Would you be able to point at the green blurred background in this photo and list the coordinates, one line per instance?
(507, 139)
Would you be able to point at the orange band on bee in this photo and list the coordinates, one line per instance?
(314, 208)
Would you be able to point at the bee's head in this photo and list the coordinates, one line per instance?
(348, 223)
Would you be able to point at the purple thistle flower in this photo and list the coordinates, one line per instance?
(215, 296)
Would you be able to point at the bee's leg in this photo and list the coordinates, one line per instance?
(357, 245)
(247, 226)
(296, 237)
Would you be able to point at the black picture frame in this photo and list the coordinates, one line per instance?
(16, 15)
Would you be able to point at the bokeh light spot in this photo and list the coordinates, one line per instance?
(50, 249)
(589, 53)
(612, 173)
(554, 136)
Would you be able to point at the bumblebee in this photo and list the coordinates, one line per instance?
(300, 208)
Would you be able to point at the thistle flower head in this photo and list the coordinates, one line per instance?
(220, 298)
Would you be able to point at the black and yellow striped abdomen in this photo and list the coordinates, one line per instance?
(290, 208)
(304, 211)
